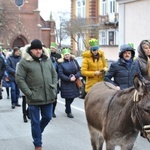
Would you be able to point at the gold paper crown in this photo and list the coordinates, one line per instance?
(93, 42)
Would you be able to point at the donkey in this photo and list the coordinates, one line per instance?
(117, 116)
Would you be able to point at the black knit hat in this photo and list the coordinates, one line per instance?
(36, 44)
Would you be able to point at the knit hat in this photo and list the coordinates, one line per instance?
(36, 44)
(53, 45)
(15, 49)
(93, 43)
(65, 51)
(126, 47)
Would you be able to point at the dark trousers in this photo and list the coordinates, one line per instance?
(24, 107)
(15, 92)
(7, 91)
(54, 106)
(68, 104)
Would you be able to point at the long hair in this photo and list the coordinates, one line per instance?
(148, 66)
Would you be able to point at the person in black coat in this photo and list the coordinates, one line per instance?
(68, 72)
(54, 57)
(2, 70)
(12, 61)
(121, 72)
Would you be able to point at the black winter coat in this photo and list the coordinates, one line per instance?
(66, 68)
(122, 74)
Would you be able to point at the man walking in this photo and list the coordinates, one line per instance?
(11, 69)
(37, 79)
(54, 57)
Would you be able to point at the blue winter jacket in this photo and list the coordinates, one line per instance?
(11, 66)
(66, 68)
(120, 74)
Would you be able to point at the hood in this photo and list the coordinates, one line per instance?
(124, 48)
(141, 53)
(27, 56)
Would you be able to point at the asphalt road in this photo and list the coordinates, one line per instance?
(62, 133)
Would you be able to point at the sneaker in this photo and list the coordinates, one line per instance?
(70, 115)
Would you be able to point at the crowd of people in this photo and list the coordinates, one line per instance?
(38, 74)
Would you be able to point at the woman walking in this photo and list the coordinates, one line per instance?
(68, 72)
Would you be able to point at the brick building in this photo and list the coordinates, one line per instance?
(30, 25)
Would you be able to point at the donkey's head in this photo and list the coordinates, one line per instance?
(141, 109)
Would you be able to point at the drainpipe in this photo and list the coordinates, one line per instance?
(121, 24)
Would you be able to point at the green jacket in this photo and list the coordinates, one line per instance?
(37, 79)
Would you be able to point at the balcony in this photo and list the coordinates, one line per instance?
(110, 20)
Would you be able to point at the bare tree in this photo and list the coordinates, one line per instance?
(9, 15)
(79, 27)
(61, 34)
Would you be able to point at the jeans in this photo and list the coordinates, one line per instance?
(37, 124)
(15, 92)
(68, 104)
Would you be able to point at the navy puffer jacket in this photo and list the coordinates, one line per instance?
(122, 73)
(66, 68)
(11, 66)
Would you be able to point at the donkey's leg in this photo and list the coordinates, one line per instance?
(110, 146)
(100, 141)
(127, 147)
(96, 138)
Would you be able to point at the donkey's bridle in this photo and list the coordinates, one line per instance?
(145, 129)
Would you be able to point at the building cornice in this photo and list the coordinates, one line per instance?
(126, 1)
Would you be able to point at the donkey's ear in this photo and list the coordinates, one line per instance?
(138, 84)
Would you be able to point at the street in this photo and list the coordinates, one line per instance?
(62, 133)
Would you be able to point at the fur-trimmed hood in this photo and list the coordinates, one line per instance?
(27, 56)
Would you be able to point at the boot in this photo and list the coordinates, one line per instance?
(1, 97)
(70, 115)
(25, 118)
(27, 113)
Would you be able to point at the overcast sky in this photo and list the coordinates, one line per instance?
(47, 6)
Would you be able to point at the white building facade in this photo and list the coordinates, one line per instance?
(134, 18)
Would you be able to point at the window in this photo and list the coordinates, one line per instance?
(103, 38)
(81, 8)
(19, 3)
(112, 6)
(111, 37)
(103, 7)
